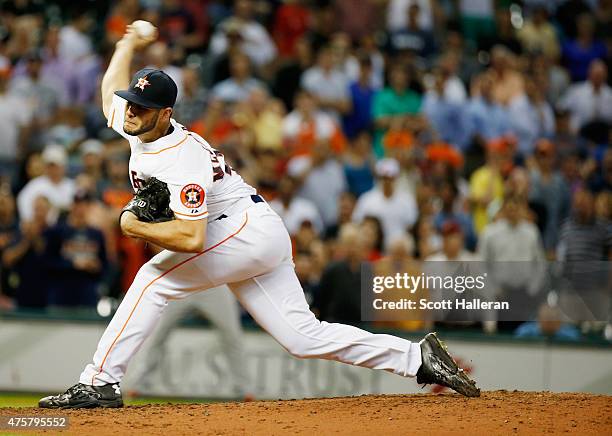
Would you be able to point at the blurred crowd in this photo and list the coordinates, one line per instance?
(380, 130)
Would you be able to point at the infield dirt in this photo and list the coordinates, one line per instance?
(497, 412)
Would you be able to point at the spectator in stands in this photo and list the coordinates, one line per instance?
(538, 35)
(9, 229)
(361, 94)
(346, 205)
(477, 19)
(400, 259)
(507, 82)
(487, 184)
(324, 181)
(21, 36)
(358, 19)
(446, 113)
(397, 13)
(194, 99)
(178, 27)
(306, 273)
(290, 24)
(453, 245)
(590, 101)
(452, 87)
(551, 76)
(53, 184)
(295, 210)
(327, 84)
(287, 79)
(306, 126)
(15, 119)
(159, 57)
(548, 324)
(531, 117)
(486, 119)
(122, 13)
(93, 164)
(367, 46)
(396, 107)
(358, 164)
(582, 237)
(324, 24)
(37, 90)
(412, 36)
(76, 258)
(548, 188)
(518, 185)
(599, 177)
(56, 71)
(221, 62)
(514, 254)
(504, 35)
(339, 288)
(448, 193)
(24, 257)
(262, 117)
(578, 53)
(374, 238)
(74, 41)
(256, 42)
(396, 209)
(240, 84)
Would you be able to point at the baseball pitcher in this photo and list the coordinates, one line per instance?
(215, 229)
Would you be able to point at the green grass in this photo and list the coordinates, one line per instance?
(31, 400)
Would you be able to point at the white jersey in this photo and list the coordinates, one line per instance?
(201, 183)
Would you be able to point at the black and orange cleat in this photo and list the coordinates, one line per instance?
(81, 396)
(438, 367)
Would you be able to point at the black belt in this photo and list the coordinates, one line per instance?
(256, 199)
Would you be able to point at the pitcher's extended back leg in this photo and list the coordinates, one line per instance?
(276, 301)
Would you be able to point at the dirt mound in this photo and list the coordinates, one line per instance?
(498, 412)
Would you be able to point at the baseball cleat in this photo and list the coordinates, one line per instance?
(81, 396)
(438, 367)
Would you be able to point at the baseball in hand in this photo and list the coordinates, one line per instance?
(144, 29)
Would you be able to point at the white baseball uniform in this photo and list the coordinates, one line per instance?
(247, 247)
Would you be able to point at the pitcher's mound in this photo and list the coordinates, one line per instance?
(497, 412)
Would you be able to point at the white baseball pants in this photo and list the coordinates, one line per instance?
(219, 306)
(251, 252)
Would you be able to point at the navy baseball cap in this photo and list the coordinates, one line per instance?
(151, 88)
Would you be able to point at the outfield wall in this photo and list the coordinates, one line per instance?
(49, 356)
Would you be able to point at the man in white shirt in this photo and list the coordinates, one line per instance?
(323, 178)
(328, 84)
(239, 85)
(396, 209)
(54, 185)
(15, 116)
(531, 117)
(590, 100)
(74, 43)
(256, 42)
(294, 210)
(513, 250)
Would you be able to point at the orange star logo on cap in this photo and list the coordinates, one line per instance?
(142, 82)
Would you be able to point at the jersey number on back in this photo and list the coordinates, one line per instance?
(220, 167)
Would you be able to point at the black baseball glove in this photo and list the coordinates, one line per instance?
(151, 203)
